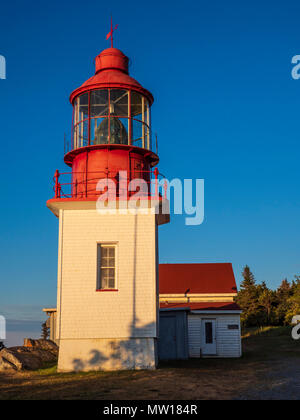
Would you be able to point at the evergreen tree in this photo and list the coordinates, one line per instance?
(45, 331)
(283, 294)
(247, 298)
(293, 301)
(267, 303)
(262, 306)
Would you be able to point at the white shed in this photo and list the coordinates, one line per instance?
(207, 292)
(214, 334)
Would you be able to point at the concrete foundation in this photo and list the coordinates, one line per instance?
(107, 354)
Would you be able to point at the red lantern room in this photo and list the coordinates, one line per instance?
(111, 129)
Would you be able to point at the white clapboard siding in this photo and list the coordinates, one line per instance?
(228, 341)
(194, 335)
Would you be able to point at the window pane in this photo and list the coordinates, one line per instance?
(104, 272)
(104, 251)
(209, 332)
(104, 283)
(111, 251)
(104, 262)
(111, 262)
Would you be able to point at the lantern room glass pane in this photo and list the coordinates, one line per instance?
(136, 105)
(118, 131)
(101, 131)
(99, 103)
(95, 131)
(83, 107)
(137, 133)
(119, 102)
(111, 130)
(81, 134)
(146, 113)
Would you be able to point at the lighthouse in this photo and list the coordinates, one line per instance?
(107, 286)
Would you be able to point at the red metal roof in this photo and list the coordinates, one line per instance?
(203, 306)
(196, 278)
(111, 72)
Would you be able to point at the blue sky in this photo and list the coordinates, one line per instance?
(226, 109)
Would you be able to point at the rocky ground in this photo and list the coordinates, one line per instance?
(30, 357)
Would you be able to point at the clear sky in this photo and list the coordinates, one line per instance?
(226, 109)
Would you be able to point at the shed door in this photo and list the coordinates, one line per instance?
(167, 338)
(209, 344)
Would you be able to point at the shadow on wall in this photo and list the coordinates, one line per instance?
(96, 359)
(131, 353)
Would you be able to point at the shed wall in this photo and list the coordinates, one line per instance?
(228, 340)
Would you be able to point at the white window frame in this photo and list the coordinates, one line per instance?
(111, 245)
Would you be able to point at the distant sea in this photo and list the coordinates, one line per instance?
(17, 330)
(22, 321)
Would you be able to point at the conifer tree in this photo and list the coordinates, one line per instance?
(267, 302)
(247, 298)
(283, 294)
(45, 331)
(293, 301)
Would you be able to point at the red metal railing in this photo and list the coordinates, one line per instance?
(84, 185)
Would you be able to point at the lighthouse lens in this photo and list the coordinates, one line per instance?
(111, 131)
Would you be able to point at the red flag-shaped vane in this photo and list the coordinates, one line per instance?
(110, 33)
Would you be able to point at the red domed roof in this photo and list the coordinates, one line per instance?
(111, 72)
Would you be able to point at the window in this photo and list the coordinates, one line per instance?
(209, 332)
(106, 267)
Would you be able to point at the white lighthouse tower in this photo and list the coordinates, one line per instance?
(107, 298)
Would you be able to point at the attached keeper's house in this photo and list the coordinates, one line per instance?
(198, 315)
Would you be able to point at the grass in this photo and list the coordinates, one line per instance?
(264, 352)
(266, 331)
(47, 370)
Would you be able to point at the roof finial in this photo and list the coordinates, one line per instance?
(110, 34)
